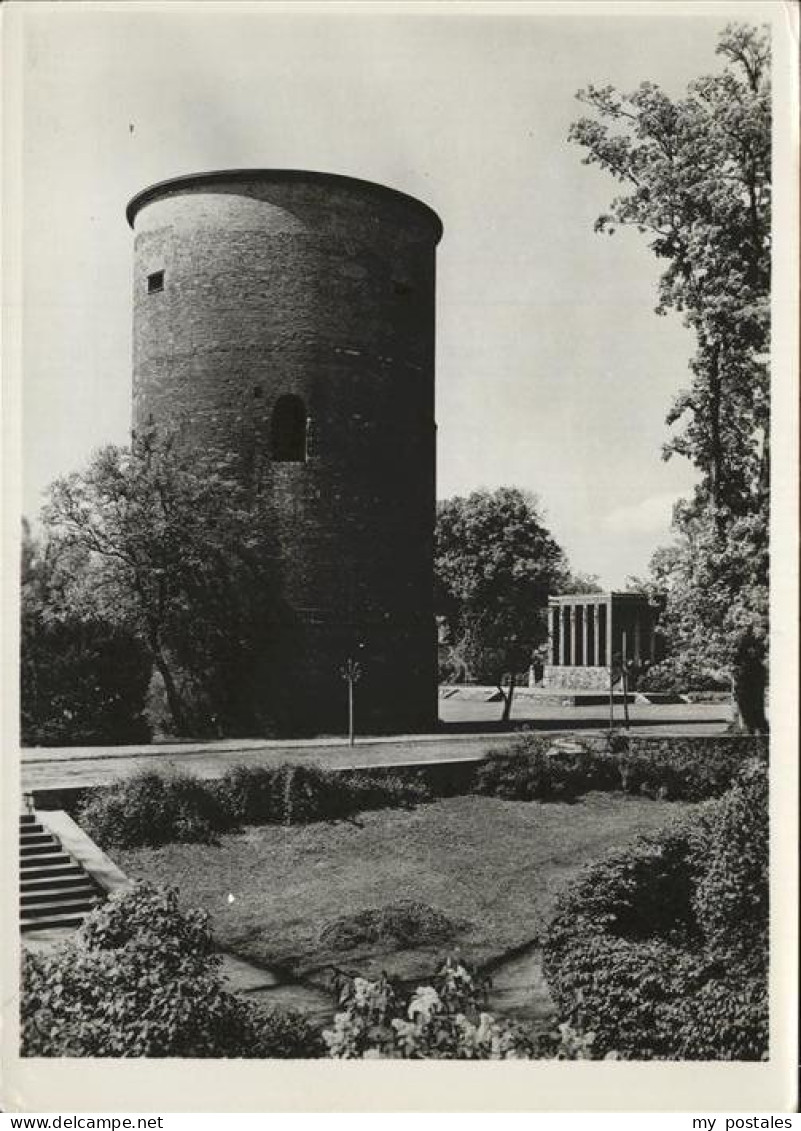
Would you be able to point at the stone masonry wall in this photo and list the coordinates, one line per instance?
(323, 290)
(576, 678)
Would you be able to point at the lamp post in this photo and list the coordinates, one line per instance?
(351, 672)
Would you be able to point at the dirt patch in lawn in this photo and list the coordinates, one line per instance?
(493, 867)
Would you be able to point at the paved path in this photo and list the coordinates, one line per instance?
(78, 767)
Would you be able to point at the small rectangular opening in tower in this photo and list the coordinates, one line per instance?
(155, 282)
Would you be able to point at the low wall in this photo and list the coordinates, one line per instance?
(570, 678)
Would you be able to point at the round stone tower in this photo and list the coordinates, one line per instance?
(287, 318)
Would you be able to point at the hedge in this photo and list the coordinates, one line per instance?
(687, 768)
(152, 809)
(660, 951)
(675, 768)
(529, 772)
(149, 808)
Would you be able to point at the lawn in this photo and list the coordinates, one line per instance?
(493, 866)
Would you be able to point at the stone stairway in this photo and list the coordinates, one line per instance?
(55, 891)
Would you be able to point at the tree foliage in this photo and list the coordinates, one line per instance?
(495, 565)
(83, 677)
(696, 175)
(179, 551)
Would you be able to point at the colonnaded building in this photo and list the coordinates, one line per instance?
(589, 633)
(287, 318)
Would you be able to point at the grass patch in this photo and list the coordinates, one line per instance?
(493, 867)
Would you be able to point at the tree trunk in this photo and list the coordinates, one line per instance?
(507, 699)
(173, 697)
(750, 683)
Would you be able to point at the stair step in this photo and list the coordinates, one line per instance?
(55, 890)
(63, 880)
(69, 919)
(86, 890)
(44, 859)
(39, 849)
(34, 837)
(59, 905)
(42, 865)
(39, 869)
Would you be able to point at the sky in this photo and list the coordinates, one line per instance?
(554, 374)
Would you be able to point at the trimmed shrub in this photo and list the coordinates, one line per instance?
(406, 923)
(731, 853)
(530, 771)
(153, 809)
(142, 978)
(660, 951)
(292, 794)
(672, 769)
(686, 769)
(441, 1021)
(150, 809)
(643, 891)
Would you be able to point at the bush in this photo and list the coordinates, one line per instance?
(660, 951)
(529, 771)
(442, 1021)
(284, 1034)
(149, 809)
(686, 769)
(406, 923)
(292, 794)
(731, 855)
(141, 978)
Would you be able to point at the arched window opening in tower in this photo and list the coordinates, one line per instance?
(288, 432)
(155, 282)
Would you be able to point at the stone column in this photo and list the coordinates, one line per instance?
(597, 626)
(571, 613)
(564, 622)
(584, 634)
(554, 629)
(609, 633)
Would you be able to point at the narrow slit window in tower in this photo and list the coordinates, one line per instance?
(288, 431)
(155, 282)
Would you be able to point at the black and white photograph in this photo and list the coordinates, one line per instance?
(401, 655)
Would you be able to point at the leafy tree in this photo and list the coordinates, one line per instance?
(181, 552)
(83, 678)
(582, 583)
(705, 581)
(696, 179)
(495, 564)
